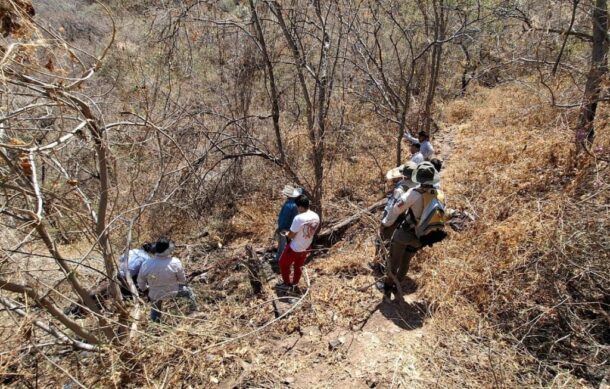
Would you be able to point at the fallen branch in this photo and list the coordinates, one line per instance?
(333, 232)
(64, 339)
(50, 307)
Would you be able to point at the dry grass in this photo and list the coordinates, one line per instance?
(527, 280)
(501, 291)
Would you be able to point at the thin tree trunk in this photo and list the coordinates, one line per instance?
(101, 228)
(315, 136)
(319, 135)
(437, 52)
(585, 132)
(275, 105)
(275, 97)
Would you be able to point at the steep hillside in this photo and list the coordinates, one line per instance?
(123, 121)
(527, 281)
(483, 309)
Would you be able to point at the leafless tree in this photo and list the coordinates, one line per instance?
(59, 177)
(562, 37)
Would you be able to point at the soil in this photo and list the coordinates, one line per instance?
(376, 355)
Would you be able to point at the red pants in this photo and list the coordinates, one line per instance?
(288, 258)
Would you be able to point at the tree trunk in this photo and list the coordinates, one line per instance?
(253, 265)
(275, 105)
(437, 53)
(585, 132)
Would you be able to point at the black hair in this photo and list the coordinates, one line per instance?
(148, 247)
(424, 134)
(417, 145)
(302, 201)
(162, 245)
(437, 163)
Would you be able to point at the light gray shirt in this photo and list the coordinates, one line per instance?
(417, 158)
(162, 276)
(135, 258)
(425, 149)
(401, 187)
(410, 199)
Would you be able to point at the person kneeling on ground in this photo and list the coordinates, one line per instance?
(405, 213)
(163, 277)
(132, 262)
(303, 228)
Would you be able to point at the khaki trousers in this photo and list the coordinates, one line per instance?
(403, 247)
(382, 246)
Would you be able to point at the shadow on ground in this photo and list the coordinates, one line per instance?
(408, 316)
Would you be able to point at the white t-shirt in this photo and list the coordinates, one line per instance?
(304, 226)
(417, 158)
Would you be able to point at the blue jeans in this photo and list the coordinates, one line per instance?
(281, 244)
(184, 292)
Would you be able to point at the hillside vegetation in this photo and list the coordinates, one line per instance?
(122, 121)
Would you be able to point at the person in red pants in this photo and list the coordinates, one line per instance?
(302, 230)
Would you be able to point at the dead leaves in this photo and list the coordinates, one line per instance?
(14, 17)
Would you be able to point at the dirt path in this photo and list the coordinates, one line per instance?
(383, 352)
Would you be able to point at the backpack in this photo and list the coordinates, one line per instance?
(430, 228)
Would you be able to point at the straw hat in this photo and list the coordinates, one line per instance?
(291, 191)
(425, 174)
(402, 171)
(395, 173)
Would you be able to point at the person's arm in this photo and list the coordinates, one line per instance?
(281, 216)
(137, 265)
(292, 214)
(287, 214)
(142, 284)
(295, 227)
(410, 138)
(399, 207)
(393, 214)
(180, 273)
